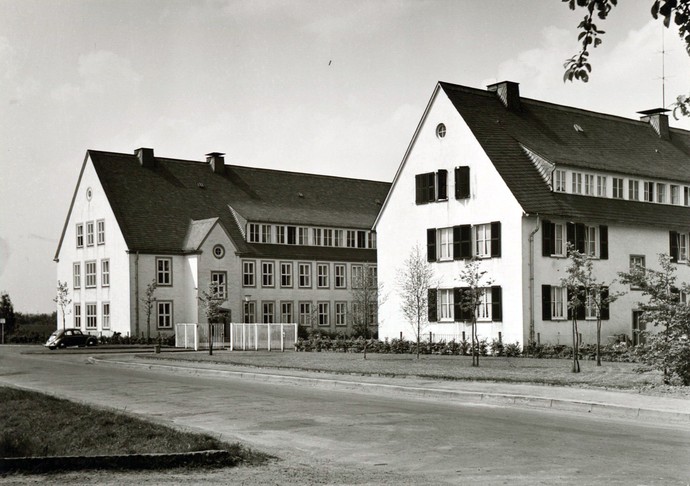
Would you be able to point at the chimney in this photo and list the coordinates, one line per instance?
(146, 158)
(658, 119)
(508, 92)
(215, 159)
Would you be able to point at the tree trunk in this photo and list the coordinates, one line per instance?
(576, 362)
(419, 325)
(598, 341)
(210, 339)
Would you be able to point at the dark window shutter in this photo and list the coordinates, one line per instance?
(432, 307)
(419, 181)
(457, 237)
(457, 305)
(580, 237)
(496, 304)
(673, 245)
(442, 179)
(465, 314)
(605, 305)
(465, 241)
(547, 243)
(581, 308)
(570, 234)
(496, 239)
(546, 302)
(430, 187)
(431, 244)
(604, 242)
(570, 310)
(462, 182)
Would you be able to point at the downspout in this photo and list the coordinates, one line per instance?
(531, 281)
(136, 294)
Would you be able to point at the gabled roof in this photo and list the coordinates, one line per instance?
(600, 142)
(170, 207)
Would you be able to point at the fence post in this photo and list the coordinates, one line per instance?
(256, 337)
(269, 336)
(282, 337)
(431, 337)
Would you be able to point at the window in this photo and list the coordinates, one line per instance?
(340, 276)
(304, 270)
(361, 239)
(686, 196)
(462, 182)
(77, 316)
(559, 180)
(164, 316)
(577, 182)
(351, 239)
(77, 275)
(601, 186)
(444, 243)
(89, 233)
(357, 276)
(80, 235)
(249, 311)
(341, 313)
(442, 185)
(425, 188)
(660, 193)
(90, 274)
(303, 234)
(372, 240)
(100, 232)
(218, 251)
(267, 274)
(591, 241)
(559, 302)
(219, 280)
(633, 190)
(105, 315)
(248, 272)
(253, 233)
(559, 240)
(482, 240)
(636, 261)
(617, 184)
(682, 247)
(292, 235)
(286, 274)
(267, 312)
(91, 317)
(590, 306)
(324, 314)
(305, 313)
(316, 233)
(484, 307)
(328, 237)
(675, 194)
(589, 185)
(280, 235)
(440, 130)
(265, 233)
(445, 304)
(338, 238)
(373, 276)
(105, 273)
(286, 312)
(164, 271)
(322, 275)
(649, 191)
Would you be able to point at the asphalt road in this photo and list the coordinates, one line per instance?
(424, 441)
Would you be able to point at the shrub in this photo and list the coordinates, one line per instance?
(497, 348)
(512, 350)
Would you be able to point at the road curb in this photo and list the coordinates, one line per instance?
(465, 396)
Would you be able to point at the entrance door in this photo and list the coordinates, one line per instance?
(637, 326)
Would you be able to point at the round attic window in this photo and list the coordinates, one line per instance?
(89, 193)
(440, 130)
(218, 251)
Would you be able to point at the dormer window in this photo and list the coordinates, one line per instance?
(431, 186)
(559, 180)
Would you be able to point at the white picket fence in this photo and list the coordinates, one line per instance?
(195, 336)
(256, 336)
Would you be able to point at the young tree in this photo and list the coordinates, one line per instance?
(575, 275)
(365, 294)
(62, 299)
(211, 301)
(7, 312)
(472, 297)
(414, 281)
(668, 349)
(149, 300)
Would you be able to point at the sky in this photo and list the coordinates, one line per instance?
(334, 87)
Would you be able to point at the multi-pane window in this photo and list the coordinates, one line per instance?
(100, 231)
(77, 316)
(249, 312)
(303, 235)
(268, 312)
(89, 233)
(372, 240)
(482, 240)
(164, 316)
(649, 191)
(328, 237)
(80, 235)
(322, 275)
(484, 307)
(351, 239)
(219, 281)
(91, 317)
(675, 194)
(286, 312)
(633, 190)
(617, 184)
(559, 180)
(267, 274)
(361, 239)
(341, 313)
(559, 299)
(77, 274)
(559, 240)
(445, 243)
(90, 274)
(324, 313)
(590, 306)
(577, 182)
(286, 274)
(636, 262)
(338, 237)
(340, 273)
(248, 273)
(164, 271)
(682, 247)
(253, 233)
(105, 315)
(357, 276)
(305, 275)
(105, 273)
(591, 240)
(686, 196)
(589, 184)
(265, 233)
(305, 313)
(316, 234)
(660, 193)
(292, 235)
(445, 304)
(280, 235)
(601, 186)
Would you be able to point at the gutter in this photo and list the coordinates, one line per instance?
(531, 280)
(136, 293)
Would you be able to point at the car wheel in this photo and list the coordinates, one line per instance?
(52, 348)
(90, 342)
(62, 345)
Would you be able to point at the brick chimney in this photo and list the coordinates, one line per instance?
(658, 119)
(146, 158)
(217, 162)
(508, 92)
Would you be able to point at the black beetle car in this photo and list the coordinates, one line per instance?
(63, 338)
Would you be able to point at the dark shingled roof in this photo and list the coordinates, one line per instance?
(606, 143)
(155, 207)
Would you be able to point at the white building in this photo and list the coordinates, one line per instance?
(280, 246)
(511, 181)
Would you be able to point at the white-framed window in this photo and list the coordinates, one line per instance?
(484, 308)
(357, 276)
(292, 235)
(303, 235)
(219, 280)
(304, 275)
(280, 235)
(324, 314)
(77, 315)
(648, 191)
(617, 184)
(637, 261)
(322, 275)
(372, 240)
(351, 239)
(266, 233)
(305, 313)
(338, 238)
(444, 237)
(633, 190)
(373, 275)
(686, 196)
(482, 240)
(253, 233)
(341, 313)
(559, 239)
(105, 315)
(267, 274)
(90, 274)
(592, 241)
(91, 315)
(327, 237)
(89, 233)
(361, 239)
(559, 180)
(286, 274)
(675, 194)
(268, 312)
(682, 247)
(286, 312)
(316, 236)
(248, 273)
(164, 314)
(80, 235)
(77, 274)
(601, 186)
(105, 273)
(576, 178)
(249, 316)
(590, 306)
(589, 184)
(559, 302)
(340, 273)
(100, 232)
(445, 304)
(660, 192)
(164, 271)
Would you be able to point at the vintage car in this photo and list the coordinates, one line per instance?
(63, 338)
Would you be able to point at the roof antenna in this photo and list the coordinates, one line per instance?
(663, 69)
